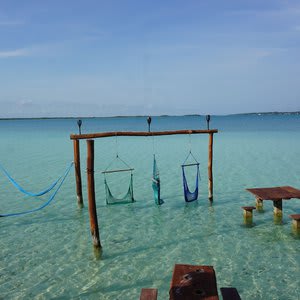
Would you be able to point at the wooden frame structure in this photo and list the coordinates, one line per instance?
(90, 166)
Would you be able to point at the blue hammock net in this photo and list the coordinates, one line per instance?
(58, 182)
(188, 195)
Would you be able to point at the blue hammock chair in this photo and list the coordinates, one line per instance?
(128, 197)
(156, 183)
(188, 195)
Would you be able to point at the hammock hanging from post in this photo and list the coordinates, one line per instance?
(156, 183)
(128, 197)
(188, 195)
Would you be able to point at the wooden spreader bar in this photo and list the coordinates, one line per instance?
(137, 133)
(114, 171)
(189, 165)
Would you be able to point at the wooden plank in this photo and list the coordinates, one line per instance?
(230, 293)
(275, 193)
(193, 282)
(138, 133)
(148, 294)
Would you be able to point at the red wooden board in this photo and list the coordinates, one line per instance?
(193, 282)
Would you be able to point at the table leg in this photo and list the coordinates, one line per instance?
(259, 204)
(277, 208)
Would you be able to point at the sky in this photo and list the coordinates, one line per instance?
(136, 57)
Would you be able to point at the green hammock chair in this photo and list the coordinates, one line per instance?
(156, 183)
(128, 197)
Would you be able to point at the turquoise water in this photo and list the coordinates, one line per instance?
(49, 254)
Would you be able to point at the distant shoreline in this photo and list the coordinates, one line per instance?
(144, 116)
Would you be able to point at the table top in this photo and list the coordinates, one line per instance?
(193, 282)
(275, 193)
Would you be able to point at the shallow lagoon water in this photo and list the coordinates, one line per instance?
(49, 254)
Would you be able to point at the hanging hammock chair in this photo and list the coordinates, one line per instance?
(156, 183)
(128, 197)
(188, 195)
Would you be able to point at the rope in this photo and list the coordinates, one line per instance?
(22, 190)
(47, 202)
(117, 146)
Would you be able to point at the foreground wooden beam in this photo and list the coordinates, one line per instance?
(193, 282)
(91, 194)
(137, 133)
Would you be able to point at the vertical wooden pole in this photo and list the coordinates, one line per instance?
(91, 194)
(77, 173)
(210, 165)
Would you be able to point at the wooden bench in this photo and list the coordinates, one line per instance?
(296, 220)
(230, 293)
(148, 294)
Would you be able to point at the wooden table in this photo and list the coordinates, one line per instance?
(191, 282)
(275, 194)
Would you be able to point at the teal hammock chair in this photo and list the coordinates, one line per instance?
(128, 197)
(156, 183)
(188, 195)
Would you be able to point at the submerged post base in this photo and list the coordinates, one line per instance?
(248, 215)
(259, 204)
(296, 221)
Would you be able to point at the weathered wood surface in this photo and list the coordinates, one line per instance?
(148, 294)
(91, 194)
(248, 208)
(138, 133)
(275, 193)
(191, 282)
(295, 217)
(77, 172)
(210, 166)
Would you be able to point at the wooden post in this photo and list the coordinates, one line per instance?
(259, 204)
(296, 222)
(210, 165)
(91, 194)
(277, 207)
(77, 172)
(277, 211)
(248, 215)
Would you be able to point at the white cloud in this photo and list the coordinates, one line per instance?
(14, 53)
